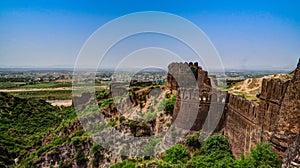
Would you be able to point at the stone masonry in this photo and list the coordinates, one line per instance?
(276, 119)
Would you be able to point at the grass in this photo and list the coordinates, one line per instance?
(48, 94)
(45, 95)
(24, 122)
(47, 85)
(9, 85)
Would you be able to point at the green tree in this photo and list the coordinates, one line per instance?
(261, 156)
(176, 154)
(215, 143)
(124, 164)
(215, 159)
(193, 140)
(170, 105)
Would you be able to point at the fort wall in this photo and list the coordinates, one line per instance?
(276, 119)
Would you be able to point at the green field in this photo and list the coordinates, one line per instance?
(46, 95)
(47, 85)
(47, 90)
(9, 85)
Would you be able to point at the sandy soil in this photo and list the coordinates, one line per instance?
(60, 102)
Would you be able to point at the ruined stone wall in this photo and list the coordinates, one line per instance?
(193, 94)
(275, 120)
(272, 93)
(248, 123)
(242, 124)
(179, 75)
(187, 109)
(287, 128)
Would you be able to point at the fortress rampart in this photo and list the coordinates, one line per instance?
(276, 119)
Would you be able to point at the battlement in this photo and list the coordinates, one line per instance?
(275, 119)
(187, 75)
(244, 107)
(273, 90)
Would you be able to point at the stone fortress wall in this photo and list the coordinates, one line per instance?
(276, 119)
(193, 93)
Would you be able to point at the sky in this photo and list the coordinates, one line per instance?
(246, 34)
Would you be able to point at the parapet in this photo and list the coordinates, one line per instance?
(244, 107)
(186, 75)
(273, 90)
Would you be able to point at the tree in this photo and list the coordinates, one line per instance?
(124, 164)
(261, 156)
(176, 154)
(215, 143)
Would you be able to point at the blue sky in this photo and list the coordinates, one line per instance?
(247, 34)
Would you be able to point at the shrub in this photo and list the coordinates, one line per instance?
(65, 165)
(121, 119)
(215, 143)
(150, 116)
(170, 105)
(261, 156)
(124, 164)
(193, 140)
(80, 158)
(215, 159)
(96, 151)
(149, 149)
(105, 94)
(176, 154)
(133, 126)
(106, 102)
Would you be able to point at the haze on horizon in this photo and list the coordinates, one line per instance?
(253, 34)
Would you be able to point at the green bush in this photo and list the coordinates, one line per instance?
(24, 124)
(170, 105)
(150, 116)
(121, 119)
(149, 149)
(124, 164)
(215, 143)
(80, 158)
(215, 159)
(193, 140)
(133, 126)
(96, 151)
(176, 154)
(261, 156)
(104, 94)
(64, 165)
